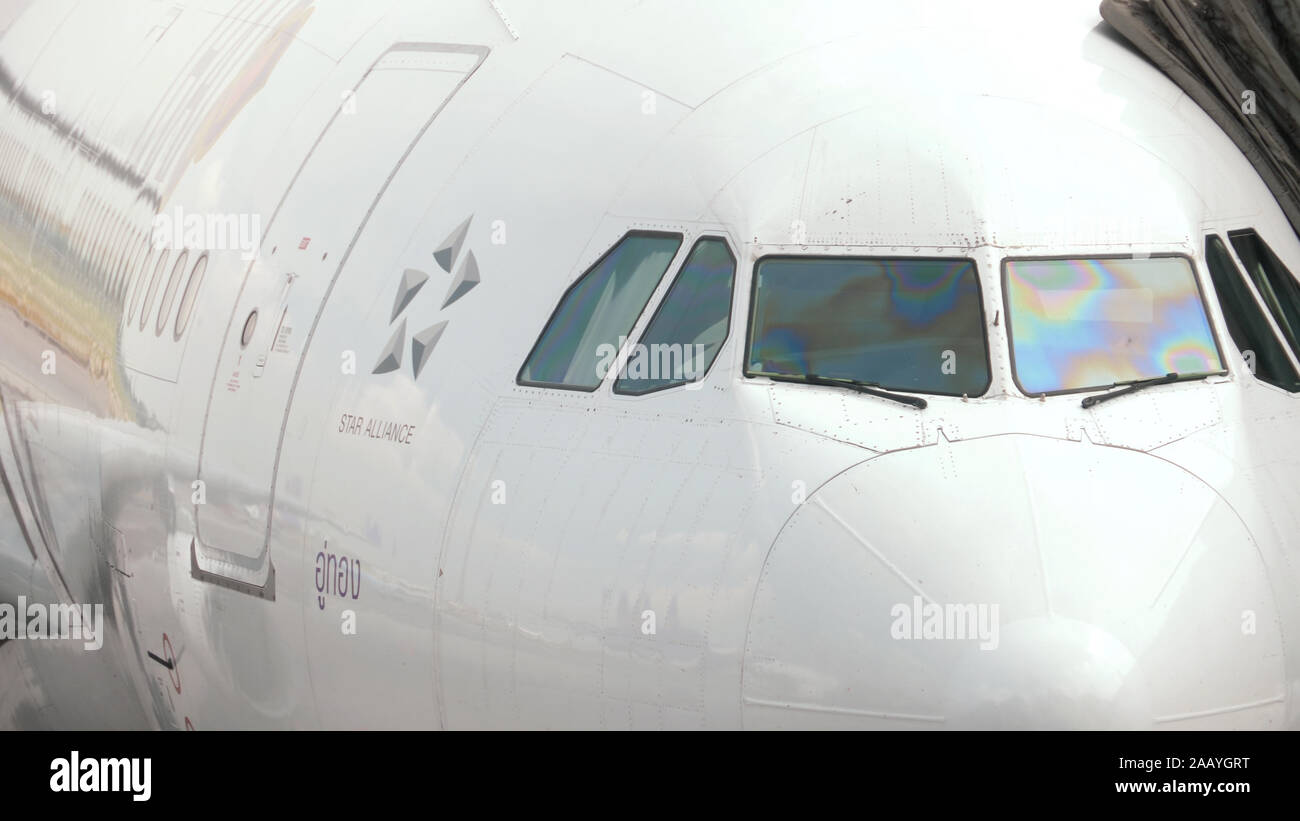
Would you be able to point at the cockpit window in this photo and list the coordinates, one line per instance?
(1079, 324)
(1280, 290)
(687, 331)
(906, 324)
(1246, 322)
(597, 313)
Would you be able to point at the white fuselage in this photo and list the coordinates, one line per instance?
(294, 517)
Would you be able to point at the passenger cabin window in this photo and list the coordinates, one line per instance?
(1278, 288)
(191, 294)
(582, 338)
(906, 324)
(141, 280)
(1247, 325)
(169, 293)
(687, 331)
(159, 267)
(1082, 324)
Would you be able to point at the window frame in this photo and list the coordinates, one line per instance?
(184, 314)
(136, 292)
(147, 297)
(731, 307)
(1197, 276)
(559, 303)
(1274, 322)
(979, 291)
(1292, 357)
(170, 291)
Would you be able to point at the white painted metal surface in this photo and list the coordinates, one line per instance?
(443, 547)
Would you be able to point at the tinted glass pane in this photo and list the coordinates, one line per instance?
(575, 349)
(907, 324)
(1279, 290)
(1088, 323)
(690, 326)
(1246, 322)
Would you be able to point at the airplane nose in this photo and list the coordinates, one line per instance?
(1050, 672)
(1014, 582)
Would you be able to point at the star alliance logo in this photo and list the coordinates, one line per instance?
(422, 343)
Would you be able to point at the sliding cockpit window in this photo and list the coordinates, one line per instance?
(1090, 323)
(687, 331)
(1247, 324)
(597, 313)
(898, 324)
(1277, 287)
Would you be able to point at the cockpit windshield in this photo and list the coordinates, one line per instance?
(1079, 324)
(905, 324)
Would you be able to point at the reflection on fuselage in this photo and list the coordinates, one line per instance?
(376, 478)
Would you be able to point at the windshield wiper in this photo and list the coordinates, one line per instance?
(869, 388)
(1135, 385)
